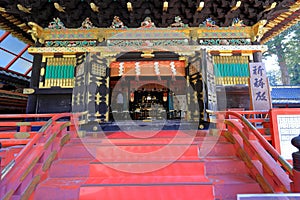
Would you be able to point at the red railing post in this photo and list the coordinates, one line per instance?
(295, 185)
(74, 121)
(25, 128)
(220, 117)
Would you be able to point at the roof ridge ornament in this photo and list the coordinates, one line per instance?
(56, 24)
(117, 23)
(178, 22)
(147, 23)
(209, 22)
(237, 22)
(87, 24)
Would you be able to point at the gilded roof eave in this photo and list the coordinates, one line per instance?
(17, 28)
(282, 22)
(272, 28)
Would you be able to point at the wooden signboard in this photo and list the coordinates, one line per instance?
(285, 126)
(259, 87)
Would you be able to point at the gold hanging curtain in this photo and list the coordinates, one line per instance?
(147, 68)
(231, 70)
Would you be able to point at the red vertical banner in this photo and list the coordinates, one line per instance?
(259, 87)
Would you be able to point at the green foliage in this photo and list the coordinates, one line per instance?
(295, 75)
(286, 46)
(274, 77)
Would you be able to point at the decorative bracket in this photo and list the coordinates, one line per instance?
(36, 32)
(258, 30)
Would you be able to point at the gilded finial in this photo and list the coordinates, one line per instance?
(94, 7)
(23, 9)
(59, 7)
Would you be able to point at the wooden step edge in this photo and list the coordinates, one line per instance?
(146, 184)
(147, 162)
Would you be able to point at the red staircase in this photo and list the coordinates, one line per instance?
(76, 174)
(53, 163)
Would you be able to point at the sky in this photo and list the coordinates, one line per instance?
(15, 46)
(271, 63)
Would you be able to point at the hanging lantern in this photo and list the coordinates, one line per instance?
(132, 96)
(165, 96)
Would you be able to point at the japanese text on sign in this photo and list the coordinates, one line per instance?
(259, 87)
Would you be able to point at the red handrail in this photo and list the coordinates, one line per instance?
(264, 143)
(20, 116)
(277, 179)
(34, 140)
(28, 157)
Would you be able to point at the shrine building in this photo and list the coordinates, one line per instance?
(187, 72)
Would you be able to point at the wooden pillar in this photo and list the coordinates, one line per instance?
(202, 90)
(91, 92)
(257, 57)
(196, 104)
(34, 83)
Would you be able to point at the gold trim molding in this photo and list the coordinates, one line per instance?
(100, 34)
(113, 51)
